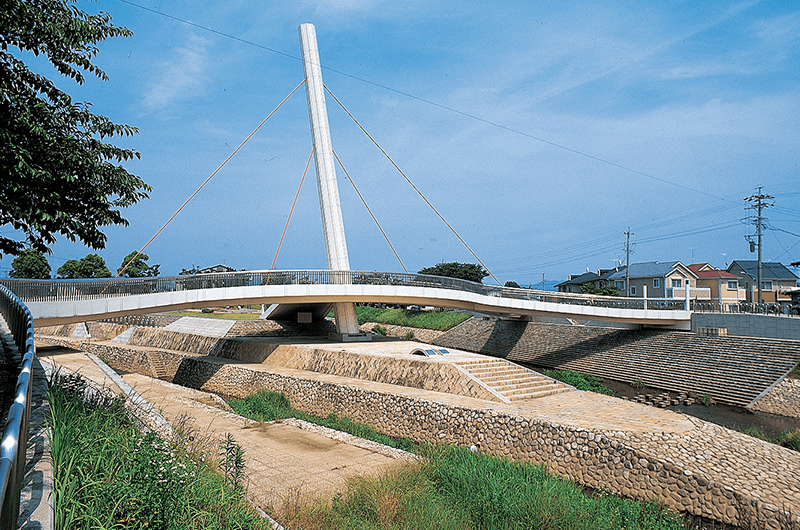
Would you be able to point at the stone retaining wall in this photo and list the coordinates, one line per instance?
(641, 466)
(784, 399)
(414, 373)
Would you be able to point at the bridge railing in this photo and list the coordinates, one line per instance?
(765, 308)
(15, 434)
(70, 290)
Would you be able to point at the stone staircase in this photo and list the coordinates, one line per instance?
(732, 370)
(510, 380)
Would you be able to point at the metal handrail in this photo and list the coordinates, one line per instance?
(15, 435)
(71, 290)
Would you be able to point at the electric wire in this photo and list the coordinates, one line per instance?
(208, 179)
(369, 210)
(412, 185)
(434, 104)
(291, 210)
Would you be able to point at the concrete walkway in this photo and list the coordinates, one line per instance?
(284, 460)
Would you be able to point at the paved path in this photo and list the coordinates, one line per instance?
(283, 459)
(280, 462)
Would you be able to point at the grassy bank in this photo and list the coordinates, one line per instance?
(109, 475)
(454, 488)
(269, 406)
(789, 439)
(436, 320)
(580, 381)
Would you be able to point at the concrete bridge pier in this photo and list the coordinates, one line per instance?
(329, 205)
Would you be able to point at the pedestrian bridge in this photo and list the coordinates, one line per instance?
(68, 301)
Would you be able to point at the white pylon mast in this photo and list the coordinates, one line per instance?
(329, 205)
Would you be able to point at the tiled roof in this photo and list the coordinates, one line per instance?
(769, 270)
(714, 273)
(647, 269)
(581, 279)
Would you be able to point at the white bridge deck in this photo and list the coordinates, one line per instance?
(61, 302)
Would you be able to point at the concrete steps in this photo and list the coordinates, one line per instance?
(732, 370)
(510, 380)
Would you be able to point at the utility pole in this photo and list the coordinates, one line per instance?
(628, 235)
(542, 281)
(758, 201)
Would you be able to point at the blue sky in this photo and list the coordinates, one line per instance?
(539, 132)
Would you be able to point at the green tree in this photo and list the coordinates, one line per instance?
(59, 176)
(138, 267)
(30, 263)
(511, 283)
(188, 272)
(590, 288)
(90, 266)
(464, 271)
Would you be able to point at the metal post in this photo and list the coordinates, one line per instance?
(329, 205)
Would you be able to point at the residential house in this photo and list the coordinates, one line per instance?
(776, 280)
(656, 279)
(216, 269)
(725, 288)
(575, 281)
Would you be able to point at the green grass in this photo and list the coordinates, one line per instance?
(436, 320)
(456, 489)
(269, 406)
(790, 439)
(580, 381)
(109, 475)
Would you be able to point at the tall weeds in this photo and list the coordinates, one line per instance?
(108, 475)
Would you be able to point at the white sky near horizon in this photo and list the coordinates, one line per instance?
(541, 133)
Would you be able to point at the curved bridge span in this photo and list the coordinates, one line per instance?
(67, 301)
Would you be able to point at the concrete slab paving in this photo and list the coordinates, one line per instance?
(282, 460)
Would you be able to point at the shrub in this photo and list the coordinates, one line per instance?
(580, 381)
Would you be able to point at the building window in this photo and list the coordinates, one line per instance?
(656, 283)
(633, 290)
(733, 285)
(766, 286)
(620, 286)
(677, 282)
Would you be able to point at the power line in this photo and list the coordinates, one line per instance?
(432, 103)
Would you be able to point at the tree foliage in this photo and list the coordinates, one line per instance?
(590, 288)
(90, 266)
(59, 176)
(464, 271)
(188, 272)
(138, 267)
(511, 283)
(31, 264)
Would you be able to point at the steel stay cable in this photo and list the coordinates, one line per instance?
(369, 210)
(207, 180)
(413, 186)
(272, 267)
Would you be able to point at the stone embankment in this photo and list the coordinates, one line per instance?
(602, 442)
(732, 370)
(784, 399)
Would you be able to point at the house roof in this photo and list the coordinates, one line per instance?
(216, 268)
(769, 270)
(648, 269)
(710, 272)
(580, 279)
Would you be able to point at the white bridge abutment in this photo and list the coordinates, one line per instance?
(329, 205)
